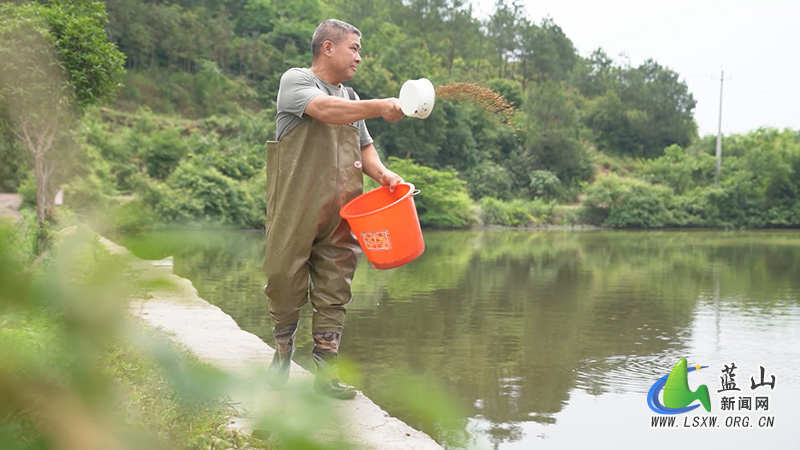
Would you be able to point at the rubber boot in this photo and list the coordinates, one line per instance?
(278, 372)
(326, 359)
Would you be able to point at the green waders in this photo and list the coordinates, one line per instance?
(310, 251)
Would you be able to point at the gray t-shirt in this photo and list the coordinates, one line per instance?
(298, 87)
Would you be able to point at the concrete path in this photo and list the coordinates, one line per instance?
(215, 338)
(9, 205)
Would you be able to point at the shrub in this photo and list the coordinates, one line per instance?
(679, 170)
(544, 184)
(204, 194)
(134, 216)
(163, 151)
(489, 179)
(199, 195)
(516, 213)
(86, 193)
(257, 187)
(27, 190)
(444, 201)
(627, 203)
(90, 188)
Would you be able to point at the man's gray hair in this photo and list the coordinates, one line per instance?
(330, 30)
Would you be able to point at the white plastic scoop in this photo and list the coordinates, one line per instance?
(417, 98)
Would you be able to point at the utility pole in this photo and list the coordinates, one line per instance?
(719, 132)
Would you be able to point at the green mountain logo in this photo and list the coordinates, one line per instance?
(677, 394)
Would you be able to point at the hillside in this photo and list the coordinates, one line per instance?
(186, 131)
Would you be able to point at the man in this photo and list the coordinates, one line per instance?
(313, 169)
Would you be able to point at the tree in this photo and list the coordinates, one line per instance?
(611, 122)
(595, 75)
(55, 61)
(639, 111)
(460, 28)
(502, 28)
(666, 103)
(545, 52)
(552, 140)
(509, 89)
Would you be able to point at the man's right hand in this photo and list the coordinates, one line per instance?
(390, 110)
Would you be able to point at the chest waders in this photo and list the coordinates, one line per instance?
(310, 252)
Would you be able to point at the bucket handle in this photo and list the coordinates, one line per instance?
(416, 192)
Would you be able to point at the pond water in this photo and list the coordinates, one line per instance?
(522, 339)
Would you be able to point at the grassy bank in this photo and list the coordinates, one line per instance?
(141, 404)
(78, 372)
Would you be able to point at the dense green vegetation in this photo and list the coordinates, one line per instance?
(185, 136)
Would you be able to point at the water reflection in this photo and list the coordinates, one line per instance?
(513, 324)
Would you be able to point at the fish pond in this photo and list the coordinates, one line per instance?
(552, 339)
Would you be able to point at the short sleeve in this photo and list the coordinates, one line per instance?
(363, 133)
(296, 90)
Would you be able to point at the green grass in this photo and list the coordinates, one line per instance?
(77, 371)
(179, 420)
(146, 403)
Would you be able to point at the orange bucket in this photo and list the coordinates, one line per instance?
(386, 225)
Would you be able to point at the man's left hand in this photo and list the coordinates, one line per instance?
(389, 178)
